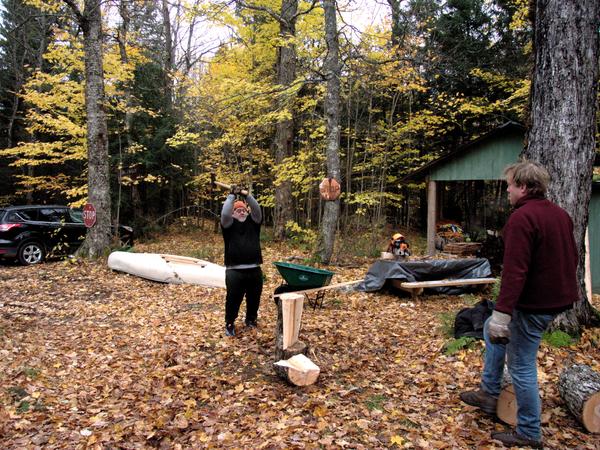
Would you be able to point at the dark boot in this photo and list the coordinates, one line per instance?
(481, 399)
(229, 329)
(514, 439)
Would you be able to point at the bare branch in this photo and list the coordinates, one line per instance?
(75, 8)
(269, 11)
(312, 6)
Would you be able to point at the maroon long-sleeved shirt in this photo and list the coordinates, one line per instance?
(540, 259)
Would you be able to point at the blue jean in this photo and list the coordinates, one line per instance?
(521, 356)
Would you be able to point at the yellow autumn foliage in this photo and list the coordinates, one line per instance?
(56, 116)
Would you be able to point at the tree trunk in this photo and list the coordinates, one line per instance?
(563, 117)
(97, 240)
(579, 387)
(284, 134)
(167, 57)
(397, 28)
(331, 68)
(123, 32)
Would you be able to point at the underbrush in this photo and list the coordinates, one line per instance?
(369, 243)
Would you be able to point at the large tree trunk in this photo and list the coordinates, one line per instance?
(97, 240)
(331, 68)
(286, 74)
(563, 117)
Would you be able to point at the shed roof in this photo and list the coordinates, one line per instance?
(481, 159)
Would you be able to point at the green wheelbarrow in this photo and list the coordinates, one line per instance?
(304, 280)
(303, 277)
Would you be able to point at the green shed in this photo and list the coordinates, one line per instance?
(485, 159)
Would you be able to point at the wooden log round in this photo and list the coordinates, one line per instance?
(579, 387)
(298, 370)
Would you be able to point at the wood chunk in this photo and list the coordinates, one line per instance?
(291, 305)
(297, 370)
(289, 317)
(506, 408)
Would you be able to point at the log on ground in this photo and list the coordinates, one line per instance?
(298, 370)
(579, 387)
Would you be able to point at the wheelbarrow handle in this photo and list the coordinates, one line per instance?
(228, 187)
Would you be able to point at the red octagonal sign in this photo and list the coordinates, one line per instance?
(89, 215)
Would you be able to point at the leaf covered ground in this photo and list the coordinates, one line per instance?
(90, 358)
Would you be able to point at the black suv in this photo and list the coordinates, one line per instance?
(29, 233)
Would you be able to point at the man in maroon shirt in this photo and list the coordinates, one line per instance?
(539, 281)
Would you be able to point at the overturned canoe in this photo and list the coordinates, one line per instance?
(168, 268)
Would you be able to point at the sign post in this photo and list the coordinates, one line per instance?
(89, 215)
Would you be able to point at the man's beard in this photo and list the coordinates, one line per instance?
(240, 218)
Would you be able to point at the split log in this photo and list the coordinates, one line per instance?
(297, 370)
(579, 387)
(289, 317)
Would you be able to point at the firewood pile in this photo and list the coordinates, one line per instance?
(463, 248)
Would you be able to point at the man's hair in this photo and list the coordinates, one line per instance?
(532, 175)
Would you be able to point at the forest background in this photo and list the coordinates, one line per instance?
(193, 89)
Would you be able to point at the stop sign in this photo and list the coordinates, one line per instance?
(89, 215)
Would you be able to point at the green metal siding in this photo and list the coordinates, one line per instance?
(594, 232)
(486, 160)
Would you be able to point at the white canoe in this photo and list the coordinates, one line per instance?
(168, 268)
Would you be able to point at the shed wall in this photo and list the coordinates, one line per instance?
(485, 161)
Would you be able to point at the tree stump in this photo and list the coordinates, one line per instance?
(579, 387)
(298, 370)
(289, 317)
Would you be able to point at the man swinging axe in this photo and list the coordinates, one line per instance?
(241, 218)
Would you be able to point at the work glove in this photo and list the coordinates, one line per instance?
(498, 330)
(235, 189)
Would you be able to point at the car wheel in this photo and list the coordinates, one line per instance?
(31, 253)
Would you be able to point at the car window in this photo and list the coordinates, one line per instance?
(51, 215)
(76, 215)
(62, 214)
(14, 217)
(24, 214)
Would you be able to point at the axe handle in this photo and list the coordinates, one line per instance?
(228, 187)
